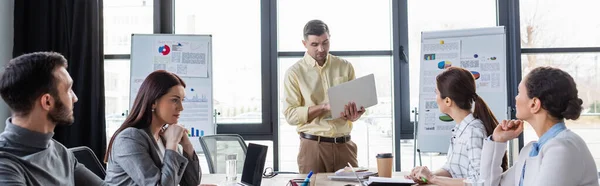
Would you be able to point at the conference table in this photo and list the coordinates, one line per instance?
(279, 180)
(283, 179)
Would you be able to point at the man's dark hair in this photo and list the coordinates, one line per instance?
(28, 77)
(315, 27)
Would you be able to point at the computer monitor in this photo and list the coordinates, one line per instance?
(254, 164)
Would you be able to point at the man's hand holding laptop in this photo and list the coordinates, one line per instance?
(351, 112)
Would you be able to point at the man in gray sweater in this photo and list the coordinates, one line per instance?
(37, 88)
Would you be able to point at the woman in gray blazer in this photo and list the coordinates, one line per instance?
(150, 148)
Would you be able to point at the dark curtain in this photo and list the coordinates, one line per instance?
(74, 29)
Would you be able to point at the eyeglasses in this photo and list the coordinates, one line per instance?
(270, 173)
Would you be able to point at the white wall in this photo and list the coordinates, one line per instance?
(6, 46)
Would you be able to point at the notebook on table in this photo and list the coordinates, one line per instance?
(379, 181)
(347, 174)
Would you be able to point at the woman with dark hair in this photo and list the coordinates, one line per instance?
(547, 96)
(456, 93)
(147, 148)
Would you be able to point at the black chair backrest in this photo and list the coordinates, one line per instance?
(87, 157)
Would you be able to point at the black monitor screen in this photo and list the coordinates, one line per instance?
(254, 164)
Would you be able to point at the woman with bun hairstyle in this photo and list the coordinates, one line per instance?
(547, 96)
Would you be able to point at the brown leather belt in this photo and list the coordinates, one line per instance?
(342, 139)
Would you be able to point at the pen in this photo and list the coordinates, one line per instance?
(424, 179)
(307, 180)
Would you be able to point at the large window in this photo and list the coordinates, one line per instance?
(235, 29)
(121, 19)
(440, 15)
(116, 84)
(548, 31)
(372, 133)
(361, 30)
(354, 24)
(553, 23)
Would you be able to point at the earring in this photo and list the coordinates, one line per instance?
(152, 110)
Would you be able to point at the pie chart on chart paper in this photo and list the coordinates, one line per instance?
(445, 118)
(164, 50)
(476, 74)
(444, 64)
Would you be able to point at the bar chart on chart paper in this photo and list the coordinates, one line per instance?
(196, 98)
(197, 112)
(194, 132)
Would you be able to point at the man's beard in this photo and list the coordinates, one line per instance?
(60, 115)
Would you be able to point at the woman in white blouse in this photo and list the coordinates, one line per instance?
(546, 97)
(456, 94)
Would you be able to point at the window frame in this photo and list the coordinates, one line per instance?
(507, 15)
(400, 78)
(264, 130)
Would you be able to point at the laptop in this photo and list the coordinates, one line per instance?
(361, 91)
(253, 165)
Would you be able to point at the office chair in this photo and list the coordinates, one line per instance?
(217, 147)
(87, 157)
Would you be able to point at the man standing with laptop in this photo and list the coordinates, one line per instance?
(325, 144)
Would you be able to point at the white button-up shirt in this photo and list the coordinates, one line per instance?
(464, 153)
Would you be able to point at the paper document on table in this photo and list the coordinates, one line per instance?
(373, 179)
(360, 171)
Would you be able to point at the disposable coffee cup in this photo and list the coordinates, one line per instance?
(384, 164)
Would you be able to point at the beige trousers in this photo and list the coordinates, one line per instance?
(325, 157)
